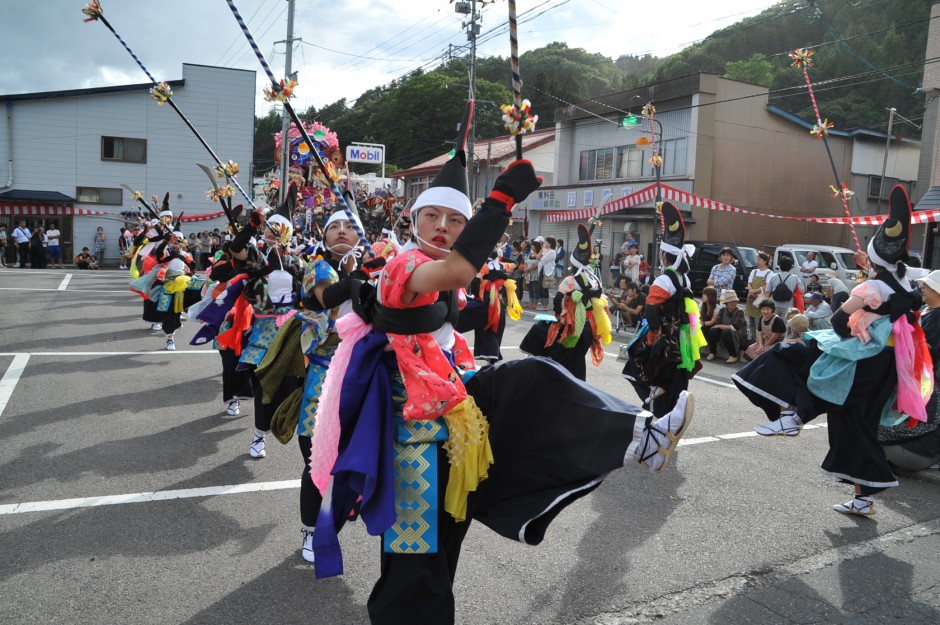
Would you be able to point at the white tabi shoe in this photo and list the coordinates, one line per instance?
(862, 506)
(233, 410)
(664, 434)
(170, 345)
(786, 425)
(307, 550)
(257, 447)
(155, 327)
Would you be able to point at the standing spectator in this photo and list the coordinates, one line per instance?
(770, 330)
(3, 245)
(37, 255)
(789, 280)
(631, 264)
(730, 328)
(100, 244)
(616, 265)
(546, 272)
(206, 246)
(532, 273)
(128, 247)
(54, 238)
(722, 274)
(560, 259)
(646, 273)
(505, 248)
(809, 265)
(122, 248)
(756, 292)
(21, 236)
(818, 311)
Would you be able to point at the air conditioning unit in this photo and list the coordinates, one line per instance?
(463, 8)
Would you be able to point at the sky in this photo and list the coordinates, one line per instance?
(348, 46)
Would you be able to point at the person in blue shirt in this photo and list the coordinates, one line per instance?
(560, 259)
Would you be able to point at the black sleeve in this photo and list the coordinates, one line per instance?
(556, 303)
(840, 323)
(157, 251)
(333, 296)
(139, 239)
(497, 274)
(779, 326)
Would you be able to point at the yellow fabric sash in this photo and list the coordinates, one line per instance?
(469, 453)
(176, 287)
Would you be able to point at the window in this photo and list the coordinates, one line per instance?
(874, 183)
(98, 195)
(597, 164)
(124, 149)
(417, 185)
(678, 153)
(630, 162)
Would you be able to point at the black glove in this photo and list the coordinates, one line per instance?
(483, 232)
(240, 241)
(515, 183)
(376, 263)
(255, 219)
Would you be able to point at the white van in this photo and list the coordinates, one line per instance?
(839, 259)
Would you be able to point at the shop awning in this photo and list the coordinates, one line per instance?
(32, 208)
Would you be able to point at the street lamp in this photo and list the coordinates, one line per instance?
(631, 121)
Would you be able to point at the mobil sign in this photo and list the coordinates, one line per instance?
(365, 154)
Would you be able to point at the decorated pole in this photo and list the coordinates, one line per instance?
(282, 91)
(656, 162)
(160, 92)
(802, 59)
(517, 115)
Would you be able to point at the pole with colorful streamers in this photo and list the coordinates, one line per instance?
(802, 58)
(517, 116)
(161, 92)
(282, 91)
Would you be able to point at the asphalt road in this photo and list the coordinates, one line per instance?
(126, 498)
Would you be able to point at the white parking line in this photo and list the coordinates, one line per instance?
(10, 378)
(159, 352)
(60, 290)
(65, 282)
(235, 489)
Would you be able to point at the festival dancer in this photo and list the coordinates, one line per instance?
(174, 289)
(581, 313)
(493, 297)
(873, 362)
(666, 351)
(410, 441)
(327, 289)
(272, 291)
(143, 263)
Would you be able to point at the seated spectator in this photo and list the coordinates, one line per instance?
(709, 308)
(730, 328)
(818, 312)
(814, 285)
(797, 326)
(93, 262)
(771, 329)
(83, 260)
(630, 303)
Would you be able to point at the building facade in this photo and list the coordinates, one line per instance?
(67, 153)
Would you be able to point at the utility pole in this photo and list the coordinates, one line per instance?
(473, 29)
(884, 165)
(285, 118)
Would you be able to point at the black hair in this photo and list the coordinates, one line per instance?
(786, 263)
(764, 256)
(671, 259)
(561, 242)
(766, 303)
(550, 241)
(725, 250)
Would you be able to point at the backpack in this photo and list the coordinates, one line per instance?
(781, 292)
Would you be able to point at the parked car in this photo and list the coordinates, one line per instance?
(706, 257)
(839, 259)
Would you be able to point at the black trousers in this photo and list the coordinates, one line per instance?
(265, 412)
(713, 335)
(23, 249)
(310, 498)
(171, 322)
(235, 384)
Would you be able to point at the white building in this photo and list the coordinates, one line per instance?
(65, 154)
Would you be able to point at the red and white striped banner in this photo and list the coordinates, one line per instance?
(8, 208)
(684, 197)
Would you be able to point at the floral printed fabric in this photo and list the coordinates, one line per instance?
(433, 386)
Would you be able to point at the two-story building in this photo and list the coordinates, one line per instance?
(65, 154)
(720, 139)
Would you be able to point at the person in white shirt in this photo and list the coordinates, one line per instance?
(631, 265)
(21, 236)
(546, 272)
(809, 266)
(55, 250)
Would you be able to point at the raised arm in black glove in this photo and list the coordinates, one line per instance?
(240, 241)
(483, 232)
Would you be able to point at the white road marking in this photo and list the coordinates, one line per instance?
(10, 378)
(113, 500)
(65, 282)
(235, 489)
(159, 352)
(61, 290)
